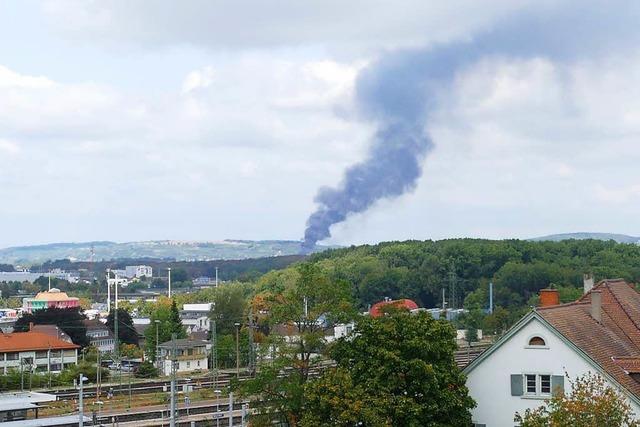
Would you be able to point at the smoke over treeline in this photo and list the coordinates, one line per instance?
(399, 91)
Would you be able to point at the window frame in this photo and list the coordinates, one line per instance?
(537, 347)
(538, 394)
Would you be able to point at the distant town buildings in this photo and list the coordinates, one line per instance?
(191, 355)
(598, 333)
(27, 276)
(138, 271)
(36, 352)
(53, 298)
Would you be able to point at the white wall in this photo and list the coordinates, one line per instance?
(490, 382)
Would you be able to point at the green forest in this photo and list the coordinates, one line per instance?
(420, 270)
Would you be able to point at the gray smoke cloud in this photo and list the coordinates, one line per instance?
(399, 91)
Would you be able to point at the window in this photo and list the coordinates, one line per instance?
(537, 342)
(537, 385)
(12, 356)
(41, 354)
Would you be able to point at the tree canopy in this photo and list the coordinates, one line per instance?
(70, 320)
(168, 317)
(396, 370)
(127, 333)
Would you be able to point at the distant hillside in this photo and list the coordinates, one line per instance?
(160, 249)
(620, 238)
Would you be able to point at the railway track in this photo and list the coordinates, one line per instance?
(160, 413)
(142, 388)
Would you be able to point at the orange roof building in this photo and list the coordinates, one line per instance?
(36, 351)
(376, 309)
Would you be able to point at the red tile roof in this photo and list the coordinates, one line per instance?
(30, 341)
(613, 343)
(376, 309)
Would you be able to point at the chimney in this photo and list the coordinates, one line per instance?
(588, 282)
(596, 305)
(549, 297)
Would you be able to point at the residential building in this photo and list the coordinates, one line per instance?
(598, 333)
(53, 298)
(190, 355)
(195, 317)
(100, 336)
(36, 351)
(138, 271)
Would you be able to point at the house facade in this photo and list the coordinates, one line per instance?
(599, 333)
(100, 336)
(36, 352)
(195, 317)
(190, 355)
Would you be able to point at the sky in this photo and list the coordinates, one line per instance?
(206, 120)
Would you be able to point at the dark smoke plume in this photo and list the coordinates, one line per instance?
(400, 90)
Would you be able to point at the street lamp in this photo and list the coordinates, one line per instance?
(217, 393)
(157, 322)
(237, 349)
(81, 379)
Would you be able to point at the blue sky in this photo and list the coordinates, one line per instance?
(207, 120)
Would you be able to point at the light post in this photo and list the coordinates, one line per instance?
(237, 349)
(217, 393)
(169, 280)
(82, 379)
(157, 322)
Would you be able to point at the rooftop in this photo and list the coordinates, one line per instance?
(614, 342)
(54, 294)
(376, 309)
(29, 341)
(184, 343)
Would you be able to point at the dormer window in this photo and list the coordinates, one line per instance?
(537, 342)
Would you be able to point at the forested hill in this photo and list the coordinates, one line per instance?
(518, 269)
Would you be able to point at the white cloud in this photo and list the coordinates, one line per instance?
(249, 24)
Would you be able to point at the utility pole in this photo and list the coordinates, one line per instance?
(214, 354)
(108, 292)
(49, 280)
(251, 345)
(490, 297)
(231, 409)
(116, 349)
(98, 375)
(172, 420)
(237, 349)
(82, 379)
(157, 322)
(216, 277)
(169, 280)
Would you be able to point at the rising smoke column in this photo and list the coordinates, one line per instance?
(399, 92)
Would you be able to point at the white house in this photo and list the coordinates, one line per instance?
(598, 333)
(195, 317)
(100, 336)
(190, 355)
